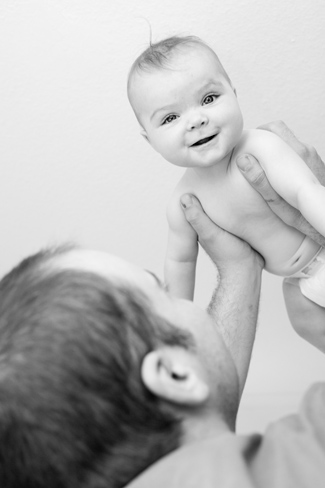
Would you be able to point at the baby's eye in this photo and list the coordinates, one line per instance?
(169, 119)
(209, 99)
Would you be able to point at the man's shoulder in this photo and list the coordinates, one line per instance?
(308, 422)
(311, 413)
(292, 452)
(313, 410)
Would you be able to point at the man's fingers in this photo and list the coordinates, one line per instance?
(198, 219)
(210, 235)
(255, 175)
(222, 246)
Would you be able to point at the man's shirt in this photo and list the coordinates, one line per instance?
(291, 454)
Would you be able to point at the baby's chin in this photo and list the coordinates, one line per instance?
(179, 163)
(195, 165)
(207, 162)
(192, 162)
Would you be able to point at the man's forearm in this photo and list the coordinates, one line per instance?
(234, 307)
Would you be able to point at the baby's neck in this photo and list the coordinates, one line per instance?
(218, 169)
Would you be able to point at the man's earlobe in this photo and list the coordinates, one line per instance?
(170, 373)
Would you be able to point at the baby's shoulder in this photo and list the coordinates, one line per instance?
(264, 145)
(255, 139)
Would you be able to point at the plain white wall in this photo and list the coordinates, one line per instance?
(74, 167)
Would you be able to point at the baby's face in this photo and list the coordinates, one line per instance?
(190, 113)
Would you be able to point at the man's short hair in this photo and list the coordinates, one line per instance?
(73, 409)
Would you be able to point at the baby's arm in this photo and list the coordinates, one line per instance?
(290, 177)
(182, 250)
(306, 317)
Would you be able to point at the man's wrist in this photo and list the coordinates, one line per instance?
(234, 307)
(248, 263)
(238, 284)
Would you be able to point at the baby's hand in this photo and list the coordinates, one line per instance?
(224, 248)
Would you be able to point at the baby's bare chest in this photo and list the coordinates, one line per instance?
(231, 203)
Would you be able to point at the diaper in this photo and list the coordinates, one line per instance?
(312, 279)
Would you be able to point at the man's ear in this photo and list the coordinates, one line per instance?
(144, 134)
(174, 374)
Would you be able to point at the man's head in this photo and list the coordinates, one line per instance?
(99, 371)
(185, 102)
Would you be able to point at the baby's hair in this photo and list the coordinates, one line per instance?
(158, 55)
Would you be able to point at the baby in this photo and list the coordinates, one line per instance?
(188, 111)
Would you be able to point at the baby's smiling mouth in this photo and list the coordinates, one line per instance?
(203, 141)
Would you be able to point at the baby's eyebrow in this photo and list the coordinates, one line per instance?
(212, 84)
(166, 108)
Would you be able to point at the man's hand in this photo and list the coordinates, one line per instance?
(255, 175)
(234, 303)
(224, 248)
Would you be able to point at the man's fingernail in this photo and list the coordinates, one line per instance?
(244, 163)
(186, 201)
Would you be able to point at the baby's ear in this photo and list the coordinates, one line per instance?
(144, 134)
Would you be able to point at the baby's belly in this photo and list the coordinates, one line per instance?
(284, 249)
(283, 256)
(241, 211)
(279, 244)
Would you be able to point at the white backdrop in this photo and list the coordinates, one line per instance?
(74, 167)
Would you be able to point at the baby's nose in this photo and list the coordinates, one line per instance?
(196, 121)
